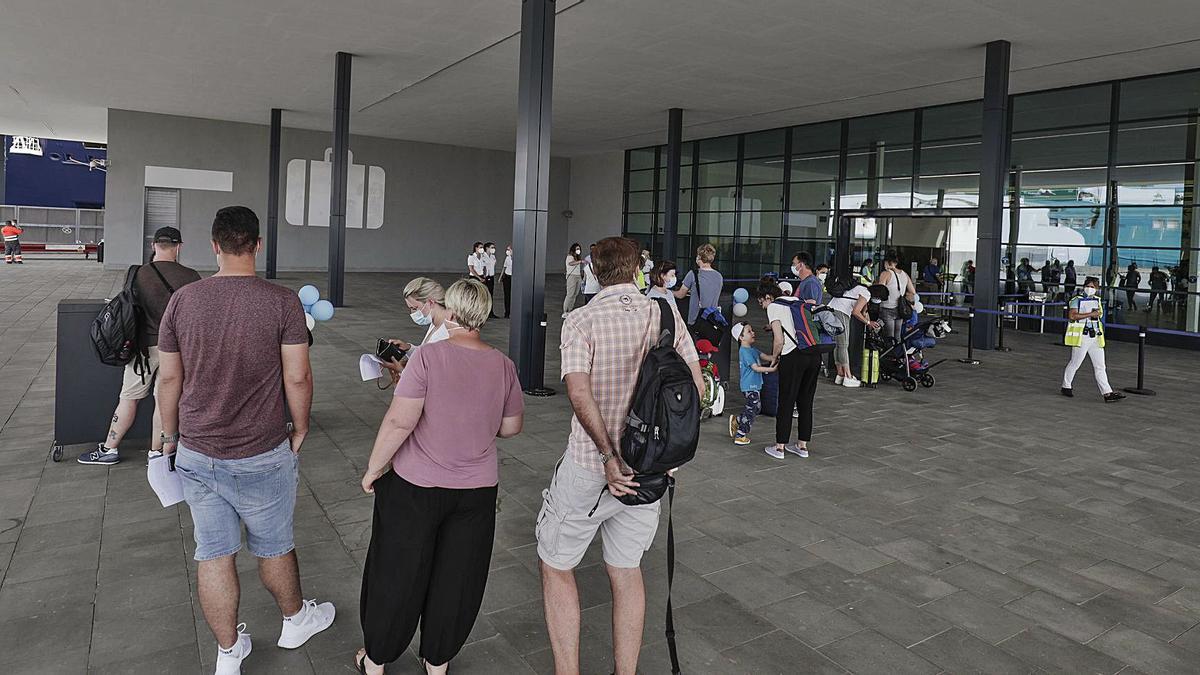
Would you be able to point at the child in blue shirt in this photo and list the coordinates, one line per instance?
(751, 362)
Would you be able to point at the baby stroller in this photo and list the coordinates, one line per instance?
(712, 403)
(903, 360)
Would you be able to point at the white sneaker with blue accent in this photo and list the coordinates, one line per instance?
(230, 662)
(310, 620)
(796, 450)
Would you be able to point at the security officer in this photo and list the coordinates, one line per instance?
(12, 242)
(1085, 337)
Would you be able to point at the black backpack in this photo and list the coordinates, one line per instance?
(115, 330)
(662, 428)
(837, 286)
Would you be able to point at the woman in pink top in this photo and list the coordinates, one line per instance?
(433, 472)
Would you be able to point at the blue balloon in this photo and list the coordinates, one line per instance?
(741, 295)
(322, 310)
(309, 295)
(307, 308)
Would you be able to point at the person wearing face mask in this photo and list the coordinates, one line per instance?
(506, 280)
(1085, 337)
(822, 272)
(477, 262)
(809, 288)
(489, 272)
(663, 281)
(425, 299)
(574, 269)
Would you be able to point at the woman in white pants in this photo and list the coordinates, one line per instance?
(1085, 337)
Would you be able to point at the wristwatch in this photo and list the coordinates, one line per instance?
(173, 438)
(604, 457)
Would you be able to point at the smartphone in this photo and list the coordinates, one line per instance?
(388, 351)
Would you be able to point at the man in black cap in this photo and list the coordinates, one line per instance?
(153, 285)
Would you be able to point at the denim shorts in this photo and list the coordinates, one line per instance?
(223, 494)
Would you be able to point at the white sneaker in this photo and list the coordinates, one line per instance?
(851, 382)
(231, 663)
(795, 413)
(796, 450)
(312, 619)
(838, 380)
(773, 451)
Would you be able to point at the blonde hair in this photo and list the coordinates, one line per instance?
(706, 253)
(424, 289)
(470, 303)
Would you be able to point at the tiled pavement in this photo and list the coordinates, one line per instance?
(984, 525)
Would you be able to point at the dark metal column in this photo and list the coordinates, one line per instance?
(527, 332)
(338, 177)
(991, 192)
(674, 158)
(273, 195)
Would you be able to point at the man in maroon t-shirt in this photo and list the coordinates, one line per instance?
(230, 348)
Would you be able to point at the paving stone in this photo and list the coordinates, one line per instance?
(753, 585)
(985, 583)
(1060, 582)
(1145, 652)
(868, 652)
(848, 554)
(977, 616)
(919, 554)
(1060, 616)
(722, 621)
(1132, 611)
(895, 618)
(1129, 580)
(781, 654)
(813, 622)
(1056, 654)
(908, 583)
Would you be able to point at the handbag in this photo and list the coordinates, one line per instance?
(904, 308)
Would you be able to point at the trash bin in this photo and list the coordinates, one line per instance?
(100, 251)
(85, 390)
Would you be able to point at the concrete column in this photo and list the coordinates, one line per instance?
(338, 179)
(992, 181)
(527, 331)
(273, 195)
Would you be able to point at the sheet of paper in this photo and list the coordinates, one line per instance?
(370, 367)
(167, 484)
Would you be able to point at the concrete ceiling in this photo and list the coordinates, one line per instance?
(445, 71)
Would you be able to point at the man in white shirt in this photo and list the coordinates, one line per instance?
(476, 263)
(506, 279)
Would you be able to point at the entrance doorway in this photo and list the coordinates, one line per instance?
(916, 238)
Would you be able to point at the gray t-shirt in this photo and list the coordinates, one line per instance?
(708, 295)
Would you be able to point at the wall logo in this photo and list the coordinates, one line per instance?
(308, 186)
(26, 145)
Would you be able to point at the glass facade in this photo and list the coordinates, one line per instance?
(1100, 174)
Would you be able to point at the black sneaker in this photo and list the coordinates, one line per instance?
(1066, 391)
(1113, 397)
(100, 456)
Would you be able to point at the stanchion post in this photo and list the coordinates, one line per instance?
(1141, 389)
(970, 360)
(1000, 331)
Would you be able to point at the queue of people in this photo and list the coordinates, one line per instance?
(433, 472)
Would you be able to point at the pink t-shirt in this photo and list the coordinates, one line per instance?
(467, 393)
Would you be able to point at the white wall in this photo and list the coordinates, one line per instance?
(597, 184)
(439, 198)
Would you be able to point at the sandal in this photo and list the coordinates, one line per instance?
(360, 663)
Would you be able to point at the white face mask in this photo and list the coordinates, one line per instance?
(1089, 291)
(478, 251)
(822, 276)
(795, 270)
(492, 249)
(669, 282)
(420, 318)
(440, 333)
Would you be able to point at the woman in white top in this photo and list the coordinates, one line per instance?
(506, 280)
(898, 283)
(852, 303)
(489, 273)
(647, 263)
(799, 370)
(574, 270)
(591, 285)
(662, 280)
(426, 301)
(477, 262)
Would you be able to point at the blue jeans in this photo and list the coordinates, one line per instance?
(223, 494)
(753, 408)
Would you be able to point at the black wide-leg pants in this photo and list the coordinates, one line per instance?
(428, 563)
(799, 371)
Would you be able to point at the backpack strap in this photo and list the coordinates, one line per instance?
(666, 321)
(170, 288)
(670, 632)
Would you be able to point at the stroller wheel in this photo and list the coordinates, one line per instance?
(927, 380)
(909, 384)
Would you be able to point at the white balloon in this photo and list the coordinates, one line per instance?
(309, 320)
(739, 310)
(785, 287)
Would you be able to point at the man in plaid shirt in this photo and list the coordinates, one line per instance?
(603, 345)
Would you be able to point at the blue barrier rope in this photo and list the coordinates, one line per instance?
(1054, 319)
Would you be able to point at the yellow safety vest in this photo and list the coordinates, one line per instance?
(1074, 335)
(640, 279)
